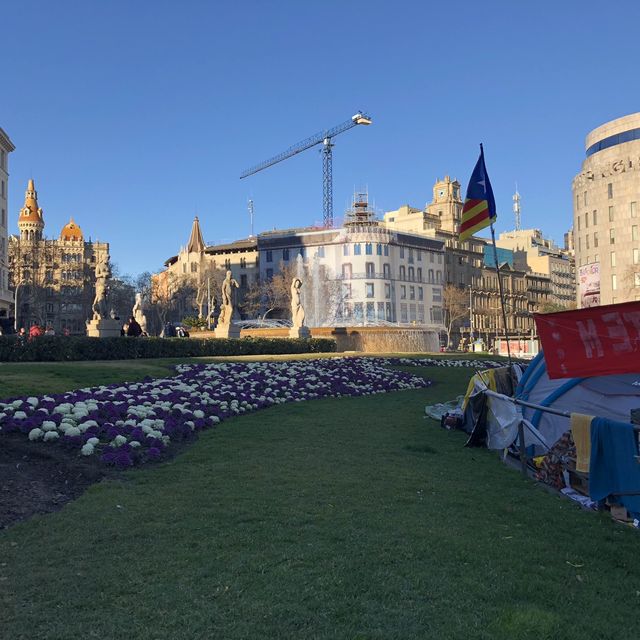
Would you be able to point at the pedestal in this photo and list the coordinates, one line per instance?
(299, 332)
(103, 328)
(227, 331)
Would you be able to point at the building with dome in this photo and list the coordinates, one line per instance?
(53, 279)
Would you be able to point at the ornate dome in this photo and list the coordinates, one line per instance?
(71, 231)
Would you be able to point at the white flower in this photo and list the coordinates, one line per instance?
(51, 435)
(87, 449)
(134, 444)
(33, 401)
(49, 425)
(198, 413)
(35, 434)
(118, 440)
(72, 431)
(20, 415)
(93, 441)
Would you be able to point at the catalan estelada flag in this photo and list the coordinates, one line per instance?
(479, 209)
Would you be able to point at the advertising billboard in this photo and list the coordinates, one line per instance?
(589, 287)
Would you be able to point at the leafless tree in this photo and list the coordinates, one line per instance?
(455, 306)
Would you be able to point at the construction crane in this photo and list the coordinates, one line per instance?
(323, 137)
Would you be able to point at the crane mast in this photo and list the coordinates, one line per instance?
(324, 138)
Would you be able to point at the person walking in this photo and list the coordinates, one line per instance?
(134, 330)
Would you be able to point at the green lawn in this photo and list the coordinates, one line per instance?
(342, 518)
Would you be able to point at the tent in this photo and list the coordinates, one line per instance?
(612, 396)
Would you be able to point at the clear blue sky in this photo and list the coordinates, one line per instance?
(134, 116)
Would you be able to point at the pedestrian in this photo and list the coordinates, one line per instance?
(134, 330)
(22, 336)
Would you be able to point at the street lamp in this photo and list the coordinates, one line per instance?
(15, 305)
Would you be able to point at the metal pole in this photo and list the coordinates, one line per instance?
(470, 317)
(209, 303)
(504, 311)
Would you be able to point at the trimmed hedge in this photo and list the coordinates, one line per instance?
(63, 348)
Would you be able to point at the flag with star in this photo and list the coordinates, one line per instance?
(479, 209)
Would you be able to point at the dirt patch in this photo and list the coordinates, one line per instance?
(39, 478)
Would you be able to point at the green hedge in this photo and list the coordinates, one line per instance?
(62, 348)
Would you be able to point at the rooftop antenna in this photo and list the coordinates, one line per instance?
(250, 208)
(516, 209)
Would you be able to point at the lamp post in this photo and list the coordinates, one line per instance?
(15, 305)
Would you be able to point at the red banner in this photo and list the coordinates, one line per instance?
(591, 342)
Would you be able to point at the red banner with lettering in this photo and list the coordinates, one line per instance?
(591, 342)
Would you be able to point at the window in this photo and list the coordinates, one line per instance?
(320, 252)
(4, 218)
(578, 220)
(587, 241)
(301, 252)
(356, 250)
(611, 212)
(585, 198)
(438, 276)
(380, 312)
(358, 310)
(370, 269)
(431, 275)
(3, 189)
(577, 200)
(419, 255)
(194, 267)
(346, 271)
(595, 217)
(595, 239)
(636, 256)
(371, 311)
(368, 289)
(636, 279)
(387, 290)
(612, 236)
(368, 249)
(269, 274)
(614, 282)
(285, 254)
(345, 249)
(613, 258)
(403, 312)
(243, 280)
(419, 274)
(586, 220)
(420, 293)
(412, 275)
(431, 256)
(410, 256)
(633, 209)
(634, 232)
(386, 270)
(379, 249)
(270, 256)
(412, 293)
(403, 292)
(609, 191)
(403, 273)
(184, 267)
(402, 252)
(386, 249)
(346, 289)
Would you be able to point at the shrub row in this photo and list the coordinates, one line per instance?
(62, 348)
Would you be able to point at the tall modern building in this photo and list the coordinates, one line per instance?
(6, 297)
(606, 222)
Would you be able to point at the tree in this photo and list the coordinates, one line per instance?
(208, 280)
(455, 306)
(271, 296)
(168, 294)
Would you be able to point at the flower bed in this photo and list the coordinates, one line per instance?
(126, 424)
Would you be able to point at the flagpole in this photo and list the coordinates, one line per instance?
(500, 289)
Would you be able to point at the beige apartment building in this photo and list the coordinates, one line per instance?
(470, 267)
(53, 279)
(197, 272)
(538, 255)
(606, 218)
(6, 296)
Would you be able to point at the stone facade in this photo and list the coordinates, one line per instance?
(6, 296)
(198, 269)
(54, 279)
(606, 214)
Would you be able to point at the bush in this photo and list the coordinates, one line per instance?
(63, 348)
(194, 323)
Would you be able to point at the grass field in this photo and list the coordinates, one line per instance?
(342, 518)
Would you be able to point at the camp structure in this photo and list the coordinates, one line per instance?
(609, 396)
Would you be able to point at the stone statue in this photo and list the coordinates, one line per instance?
(138, 313)
(226, 306)
(297, 310)
(103, 273)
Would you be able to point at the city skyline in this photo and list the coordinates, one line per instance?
(133, 125)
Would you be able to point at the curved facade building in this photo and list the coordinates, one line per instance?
(606, 215)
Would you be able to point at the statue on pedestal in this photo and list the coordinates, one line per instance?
(103, 273)
(102, 325)
(226, 328)
(298, 330)
(138, 313)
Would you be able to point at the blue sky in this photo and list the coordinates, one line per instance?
(135, 116)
